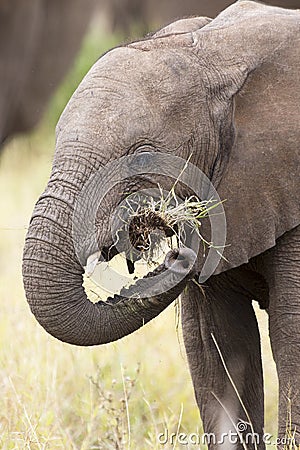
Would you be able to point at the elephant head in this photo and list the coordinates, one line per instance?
(218, 90)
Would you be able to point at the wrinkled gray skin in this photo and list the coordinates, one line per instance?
(31, 33)
(226, 91)
(123, 14)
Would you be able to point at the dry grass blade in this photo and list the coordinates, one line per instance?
(153, 222)
(235, 388)
(231, 420)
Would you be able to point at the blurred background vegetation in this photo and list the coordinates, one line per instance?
(55, 396)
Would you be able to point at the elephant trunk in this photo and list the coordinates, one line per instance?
(53, 280)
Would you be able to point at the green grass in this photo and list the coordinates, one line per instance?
(55, 396)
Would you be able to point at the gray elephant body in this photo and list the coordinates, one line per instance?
(224, 91)
(31, 33)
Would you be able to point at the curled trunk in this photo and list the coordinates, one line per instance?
(53, 283)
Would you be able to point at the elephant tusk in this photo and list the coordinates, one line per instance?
(91, 263)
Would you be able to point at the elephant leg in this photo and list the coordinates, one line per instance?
(282, 271)
(225, 311)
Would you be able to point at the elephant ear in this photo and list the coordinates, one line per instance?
(256, 52)
(181, 29)
(182, 26)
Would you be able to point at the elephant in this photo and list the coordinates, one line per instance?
(30, 34)
(123, 14)
(223, 95)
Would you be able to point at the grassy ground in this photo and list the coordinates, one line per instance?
(55, 396)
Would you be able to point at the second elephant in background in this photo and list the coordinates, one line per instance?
(148, 13)
(38, 43)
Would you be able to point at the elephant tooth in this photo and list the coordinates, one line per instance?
(91, 263)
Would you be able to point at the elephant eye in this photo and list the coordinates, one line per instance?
(142, 157)
(141, 161)
(145, 149)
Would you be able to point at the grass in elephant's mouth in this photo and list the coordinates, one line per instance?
(150, 224)
(153, 221)
(153, 226)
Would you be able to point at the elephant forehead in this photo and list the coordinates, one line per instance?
(132, 93)
(162, 73)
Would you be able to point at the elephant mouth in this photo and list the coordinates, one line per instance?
(142, 225)
(152, 226)
(146, 241)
